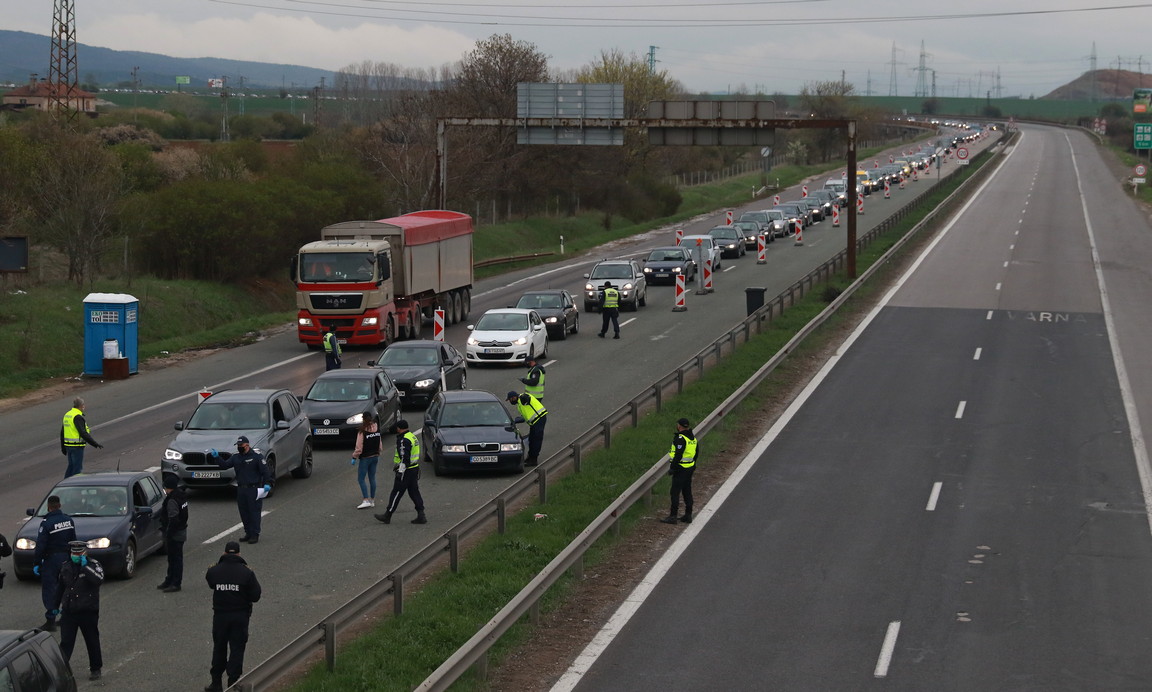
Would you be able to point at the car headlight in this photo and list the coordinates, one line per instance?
(421, 384)
(172, 455)
(551, 320)
(356, 419)
(98, 543)
(589, 287)
(676, 270)
(647, 270)
(628, 287)
(521, 341)
(472, 341)
(25, 544)
(454, 449)
(370, 321)
(305, 321)
(511, 447)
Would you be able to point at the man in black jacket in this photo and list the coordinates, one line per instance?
(252, 474)
(56, 533)
(79, 604)
(174, 523)
(234, 590)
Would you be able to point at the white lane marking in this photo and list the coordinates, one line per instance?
(1005, 265)
(1139, 448)
(565, 267)
(976, 356)
(886, 649)
(627, 321)
(934, 497)
(549, 363)
(960, 409)
(1012, 246)
(232, 529)
(152, 469)
(728, 269)
(988, 316)
(998, 285)
(636, 598)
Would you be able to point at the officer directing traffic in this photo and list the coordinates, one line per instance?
(610, 311)
(536, 416)
(332, 351)
(407, 476)
(56, 532)
(252, 475)
(234, 590)
(682, 464)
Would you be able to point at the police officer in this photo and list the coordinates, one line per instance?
(56, 531)
(407, 477)
(610, 310)
(234, 590)
(78, 601)
(74, 435)
(534, 381)
(331, 349)
(682, 458)
(252, 475)
(174, 524)
(536, 416)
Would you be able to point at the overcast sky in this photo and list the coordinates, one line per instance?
(971, 47)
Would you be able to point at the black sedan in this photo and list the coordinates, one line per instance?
(730, 240)
(471, 431)
(663, 264)
(415, 366)
(557, 308)
(336, 402)
(117, 513)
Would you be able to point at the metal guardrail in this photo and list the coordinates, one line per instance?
(323, 635)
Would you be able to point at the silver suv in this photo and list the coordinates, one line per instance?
(272, 421)
(625, 275)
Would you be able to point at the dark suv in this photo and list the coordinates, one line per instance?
(272, 421)
(625, 276)
(32, 660)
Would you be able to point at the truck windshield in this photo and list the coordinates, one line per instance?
(336, 267)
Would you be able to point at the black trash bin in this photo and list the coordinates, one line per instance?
(754, 295)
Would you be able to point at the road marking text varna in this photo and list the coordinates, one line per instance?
(1043, 316)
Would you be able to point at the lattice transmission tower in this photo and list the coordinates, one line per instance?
(63, 82)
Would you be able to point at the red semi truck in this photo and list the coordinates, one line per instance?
(377, 281)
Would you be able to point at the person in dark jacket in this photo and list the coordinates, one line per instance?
(56, 532)
(234, 590)
(406, 479)
(78, 601)
(174, 524)
(332, 360)
(682, 459)
(252, 474)
(74, 435)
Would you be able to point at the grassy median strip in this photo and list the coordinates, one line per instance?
(448, 610)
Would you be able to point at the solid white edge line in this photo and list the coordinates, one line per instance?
(934, 497)
(886, 650)
(960, 409)
(1139, 448)
(233, 529)
(636, 598)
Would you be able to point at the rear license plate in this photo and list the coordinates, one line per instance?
(477, 459)
(205, 474)
(494, 350)
(326, 431)
(662, 275)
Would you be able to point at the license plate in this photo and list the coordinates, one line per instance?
(494, 350)
(205, 474)
(401, 392)
(662, 275)
(326, 431)
(341, 341)
(477, 459)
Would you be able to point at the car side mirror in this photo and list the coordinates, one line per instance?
(143, 511)
(299, 397)
(371, 363)
(179, 425)
(429, 423)
(586, 276)
(281, 425)
(31, 511)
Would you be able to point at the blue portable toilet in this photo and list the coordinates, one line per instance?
(111, 331)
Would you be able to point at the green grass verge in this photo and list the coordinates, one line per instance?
(403, 650)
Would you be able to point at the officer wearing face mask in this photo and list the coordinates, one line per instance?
(252, 475)
(79, 604)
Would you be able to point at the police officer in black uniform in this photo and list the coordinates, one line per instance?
(174, 523)
(56, 531)
(234, 590)
(78, 601)
(252, 474)
(406, 464)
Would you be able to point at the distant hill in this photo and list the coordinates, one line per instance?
(22, 54)
(1102, 85)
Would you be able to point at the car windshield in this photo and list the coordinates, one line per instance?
(336, 267)
(503, 322)
(467, 414)
(776, 215)
(612, 271)
(533, 301)
(407, 355)
(748, 226)
(90, 501)
(727, 233)
(229, 416)
(666, 256)
(340, 389)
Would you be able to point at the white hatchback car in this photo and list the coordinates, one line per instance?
(507, 335)
(708, 246)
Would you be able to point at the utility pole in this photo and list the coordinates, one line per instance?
(62, 69)
(892, 80)
(652, 59)
(135, 91)
(225, 135)
(922, 73)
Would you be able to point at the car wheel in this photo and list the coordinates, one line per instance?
(271, 461)
(576, 324)
(589, 307)
(464, 380)
(129, 570)
(563, 333)
(544, 351)
(643, 299)
(304, 470)
(437, 467)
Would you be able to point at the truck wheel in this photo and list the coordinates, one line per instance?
(466, 298)
(450, 316)
(416, 323)
(457, 305)
(389, 330)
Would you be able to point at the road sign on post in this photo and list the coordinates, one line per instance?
(1142, 136)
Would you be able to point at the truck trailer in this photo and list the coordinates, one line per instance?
(374, 282)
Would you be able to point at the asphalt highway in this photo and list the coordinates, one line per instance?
(317, 550)
(959, 501)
